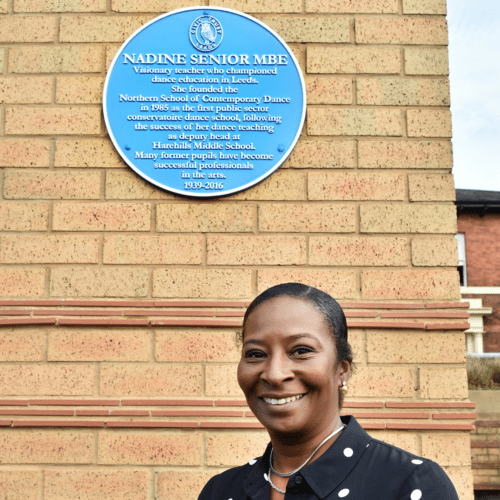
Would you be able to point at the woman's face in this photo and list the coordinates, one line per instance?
(288, 368)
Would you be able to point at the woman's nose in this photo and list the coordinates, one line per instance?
(277, 370)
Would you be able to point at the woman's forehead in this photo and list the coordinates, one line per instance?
(285, 312)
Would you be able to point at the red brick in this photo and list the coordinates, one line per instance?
(98, 345)
(28, 321)
(196, 413)
(39, 413)
(231, 425)
(46, 447)
(151, 448)
(167, 402)
(74, 402)
(79, 484)
(102, 322)
(199, 347)
(58, 423)
(77, 312)
(454, 416)
(20, 216)
(156, 424)
(23, 153)
(151, 380)
(196, 322)
(429, 404)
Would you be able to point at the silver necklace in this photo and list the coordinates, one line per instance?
(288, 474)
(268, 477)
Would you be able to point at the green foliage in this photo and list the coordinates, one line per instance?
(483, 373)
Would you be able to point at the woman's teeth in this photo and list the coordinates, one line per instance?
(283, 400)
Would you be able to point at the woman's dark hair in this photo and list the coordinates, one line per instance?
(324, 303)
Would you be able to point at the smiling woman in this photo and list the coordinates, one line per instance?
(294, 368)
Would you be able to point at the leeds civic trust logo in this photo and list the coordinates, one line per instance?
(205, 33)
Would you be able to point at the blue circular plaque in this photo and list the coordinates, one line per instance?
(204, 102)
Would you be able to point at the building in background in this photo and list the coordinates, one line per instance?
(479, 265)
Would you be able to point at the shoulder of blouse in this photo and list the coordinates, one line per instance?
(423, 478)
(225, 481)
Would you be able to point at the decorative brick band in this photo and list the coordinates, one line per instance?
(200, 409)
(204, 313)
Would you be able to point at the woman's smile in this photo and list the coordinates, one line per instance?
(281, 400)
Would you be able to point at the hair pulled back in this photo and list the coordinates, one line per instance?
(324, 303)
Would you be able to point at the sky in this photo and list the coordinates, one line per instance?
(474, 49)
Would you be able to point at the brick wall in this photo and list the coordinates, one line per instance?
(120, 301)
(486, 455)
(482, 249)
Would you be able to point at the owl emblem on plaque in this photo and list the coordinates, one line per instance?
(205, 33)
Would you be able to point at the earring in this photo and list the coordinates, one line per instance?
(343, 388)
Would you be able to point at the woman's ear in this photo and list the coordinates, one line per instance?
(344, 370)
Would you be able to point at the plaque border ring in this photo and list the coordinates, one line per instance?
(193, 34)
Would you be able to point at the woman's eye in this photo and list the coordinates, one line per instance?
(254, 354)
(303, 350)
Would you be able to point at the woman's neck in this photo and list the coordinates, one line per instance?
(289, 454)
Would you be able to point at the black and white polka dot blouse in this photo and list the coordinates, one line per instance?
(355, 467)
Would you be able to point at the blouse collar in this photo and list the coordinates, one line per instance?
(324, 474)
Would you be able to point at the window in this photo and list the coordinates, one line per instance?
(461, 258)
